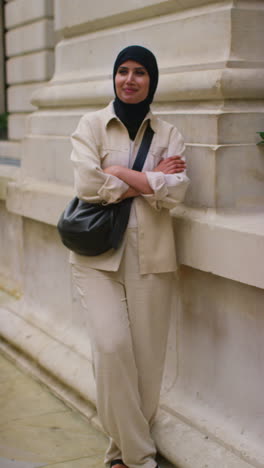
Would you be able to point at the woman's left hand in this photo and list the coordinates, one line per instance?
(171, 165)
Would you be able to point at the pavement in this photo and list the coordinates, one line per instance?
(39, 430)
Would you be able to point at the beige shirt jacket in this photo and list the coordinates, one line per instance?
(101, 140)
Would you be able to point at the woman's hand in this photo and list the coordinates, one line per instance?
(171, 165)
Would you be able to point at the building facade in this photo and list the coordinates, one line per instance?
(58, 57)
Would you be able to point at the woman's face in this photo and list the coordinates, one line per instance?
(132, 82)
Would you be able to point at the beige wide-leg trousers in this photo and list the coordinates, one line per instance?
(128, 319)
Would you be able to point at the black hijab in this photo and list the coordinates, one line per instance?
(132, 115)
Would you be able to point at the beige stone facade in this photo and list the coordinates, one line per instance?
(211, 87)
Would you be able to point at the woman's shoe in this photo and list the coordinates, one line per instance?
(116, 462)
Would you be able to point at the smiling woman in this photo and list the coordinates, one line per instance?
(127, 292)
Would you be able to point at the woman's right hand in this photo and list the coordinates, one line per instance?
(171, 165)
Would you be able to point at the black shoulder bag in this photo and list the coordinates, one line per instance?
(92, 228)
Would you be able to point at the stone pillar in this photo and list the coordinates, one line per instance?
(29, 48)
(2, 60)
(212, 88)
(29, 41)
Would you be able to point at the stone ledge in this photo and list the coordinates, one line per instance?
(68, 366)
(226, 244)
(207, 123)
(69, 397)
(183, 86)
(186, 447)
(230, 244)
(41, 201)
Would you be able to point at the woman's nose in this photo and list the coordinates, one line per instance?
(130, 76)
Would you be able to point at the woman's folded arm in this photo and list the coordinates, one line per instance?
(92, 184)
(169, 180)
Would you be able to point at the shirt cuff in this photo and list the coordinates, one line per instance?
(152, 201)
(112, 190)
(158, 184)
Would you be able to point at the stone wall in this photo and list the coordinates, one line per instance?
(212, 88)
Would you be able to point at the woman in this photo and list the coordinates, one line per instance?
(127, 292)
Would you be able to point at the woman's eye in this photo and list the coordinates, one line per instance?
(140, 72)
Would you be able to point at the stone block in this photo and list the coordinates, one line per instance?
(240, 124)
(54, 123)
(215, 326)
(8, 173)
(41, 201)
(230, 243)
(10, 149)
(48, 159)
(43, 247)
(62, 319)
(227, 176)
(199, 123)
(19, 12)
(217, 124)
(37, 66)
(240, 177)
(201, 171)
(30, 38)
(19, 97)
(247, 21)
(17, 125)
(162, 36)
(11, 258)
(80, 17)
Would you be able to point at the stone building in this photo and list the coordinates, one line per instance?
(58, 57)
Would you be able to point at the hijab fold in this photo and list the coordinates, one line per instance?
(132, 115)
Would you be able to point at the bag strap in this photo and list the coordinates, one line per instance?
(143, 149)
